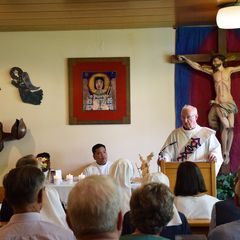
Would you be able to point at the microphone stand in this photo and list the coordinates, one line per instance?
(160, 155)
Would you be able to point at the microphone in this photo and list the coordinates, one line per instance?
(160, 155)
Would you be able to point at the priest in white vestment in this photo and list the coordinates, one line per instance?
(192, 142)
(101, 165)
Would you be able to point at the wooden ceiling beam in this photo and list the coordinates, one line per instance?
(27, 15)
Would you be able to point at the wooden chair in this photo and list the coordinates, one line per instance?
(199, 226)
(207, 169)
(1, 194)
(191, 237)
(1, 200)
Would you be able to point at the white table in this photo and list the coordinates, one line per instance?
(63, 190)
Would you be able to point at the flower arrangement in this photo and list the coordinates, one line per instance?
(44, 163)
(44, 160)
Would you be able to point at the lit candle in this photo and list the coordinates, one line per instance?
(69, 178)
(81, 176)
(56, 180)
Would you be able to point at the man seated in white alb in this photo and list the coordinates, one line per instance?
(192, 142)
(102, 165)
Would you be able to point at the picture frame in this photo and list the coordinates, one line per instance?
(99, 90)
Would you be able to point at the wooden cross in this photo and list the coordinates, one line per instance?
(222, 49)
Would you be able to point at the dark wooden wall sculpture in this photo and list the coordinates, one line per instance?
(18, 131)
(28, 92)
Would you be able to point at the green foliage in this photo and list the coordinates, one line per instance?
(225, 186)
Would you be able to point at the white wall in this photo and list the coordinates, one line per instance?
(44, 56)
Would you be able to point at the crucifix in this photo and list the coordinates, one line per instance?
(222, 49)
(223, 107)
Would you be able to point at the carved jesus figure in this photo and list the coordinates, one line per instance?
(223, 107)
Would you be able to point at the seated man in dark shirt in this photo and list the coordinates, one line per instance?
(225, 211)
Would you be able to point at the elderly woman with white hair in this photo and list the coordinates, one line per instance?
(122, 171)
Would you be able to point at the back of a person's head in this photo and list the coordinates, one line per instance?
(189, 180)
(93, 206)
(157, 177)
(22, 185)
(27, 160)
(122, 171)
(151, 207)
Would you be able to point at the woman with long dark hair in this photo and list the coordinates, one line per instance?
(190, 192)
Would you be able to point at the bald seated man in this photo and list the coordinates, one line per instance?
(94, 210)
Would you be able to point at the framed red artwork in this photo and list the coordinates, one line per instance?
(99, 90)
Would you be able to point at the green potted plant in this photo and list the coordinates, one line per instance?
(225, 186)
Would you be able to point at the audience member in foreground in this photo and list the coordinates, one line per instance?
(225, 211)
(94, 209)
(24, 188)
(231, 230)
(51, 211)
(178, 225)
(151, 209)
(102, 165)
(159, 177)
(122, 171)
(192, 142)
(190, 197)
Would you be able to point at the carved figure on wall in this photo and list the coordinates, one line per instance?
(28, 92)
(18, 131)
(223, 107)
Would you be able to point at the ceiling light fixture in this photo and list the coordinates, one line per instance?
(228, 16)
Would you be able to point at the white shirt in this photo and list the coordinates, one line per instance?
(52, 209)
(182, 136)
(195, 207)
(96, 169)
(31, 226)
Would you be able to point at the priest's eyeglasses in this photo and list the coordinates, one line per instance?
(189, 117)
